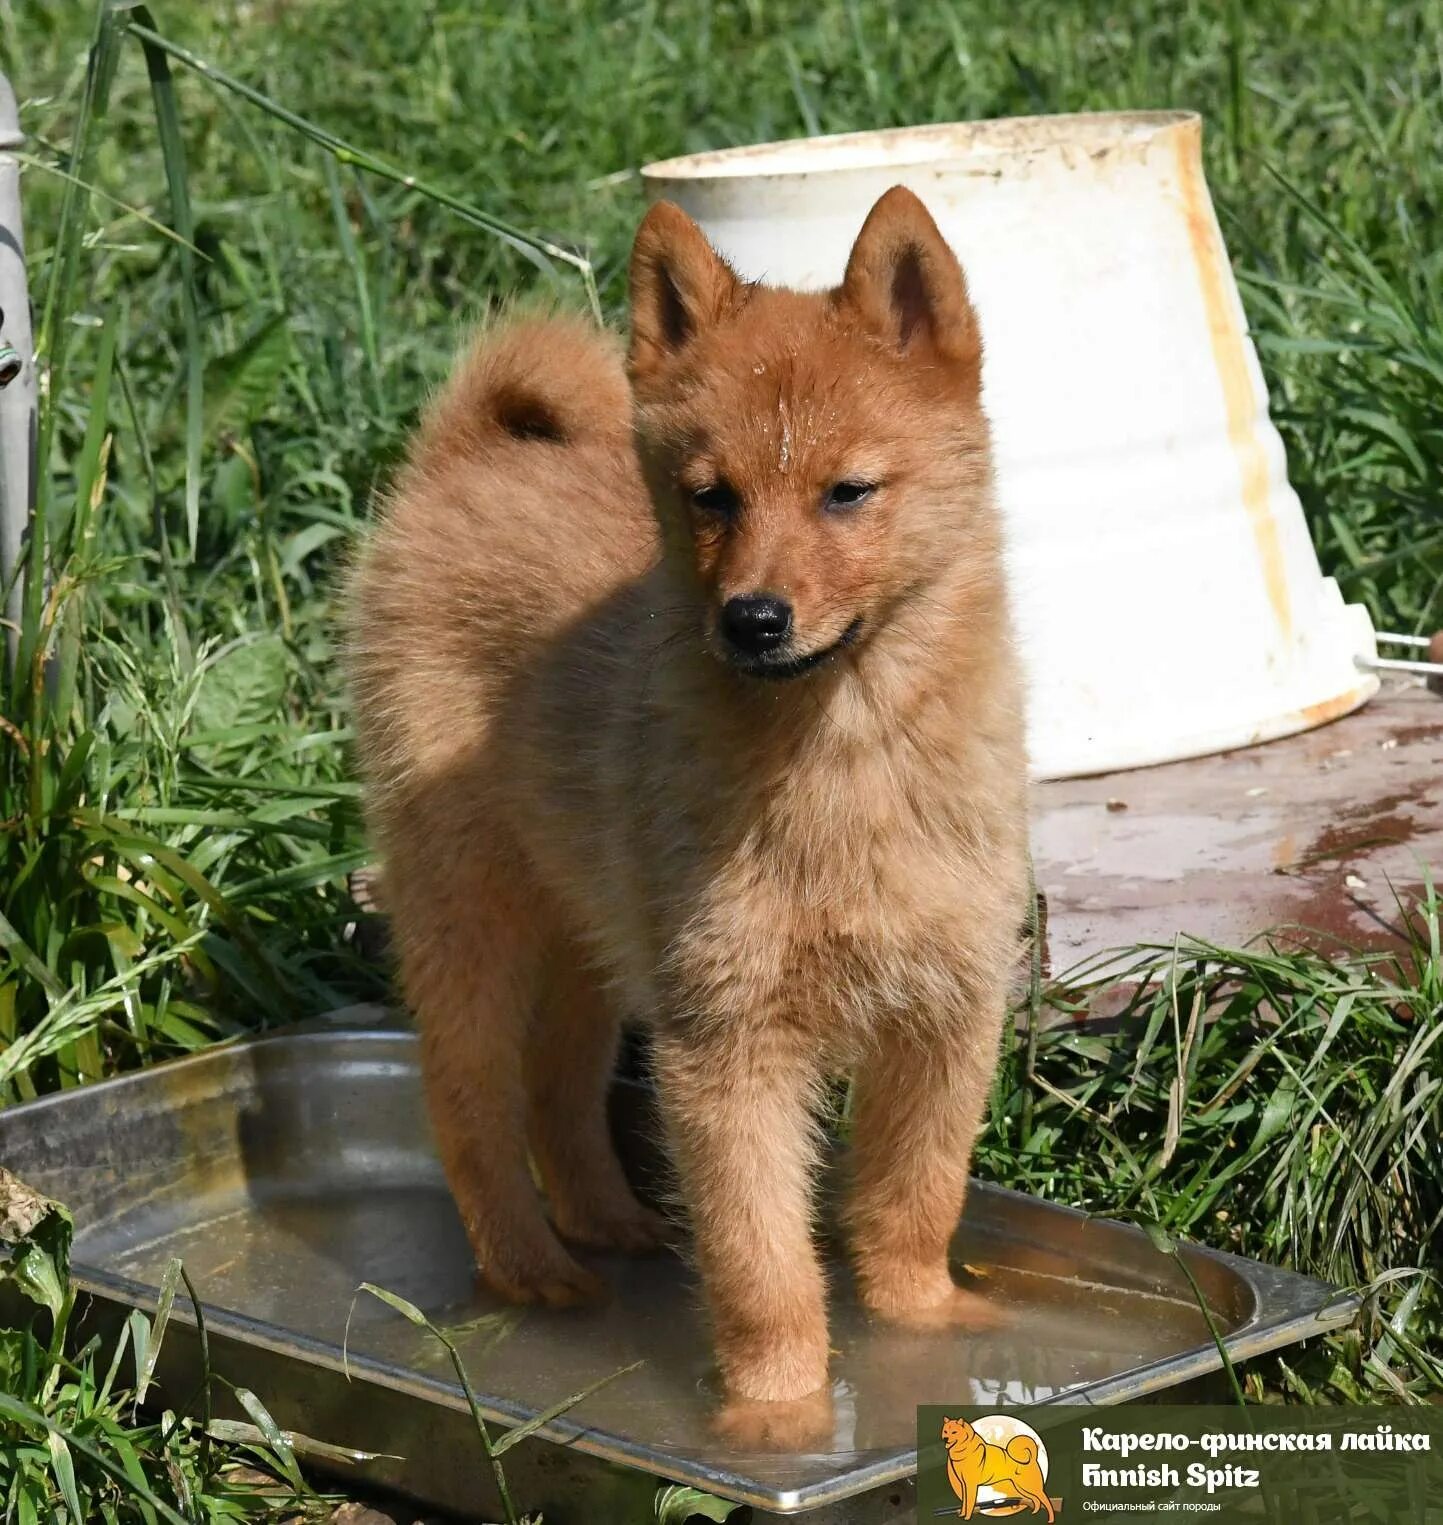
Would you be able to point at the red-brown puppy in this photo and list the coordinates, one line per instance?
(695, 699)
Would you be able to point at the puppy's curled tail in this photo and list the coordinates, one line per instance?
(533, 382)
(1022, 1449)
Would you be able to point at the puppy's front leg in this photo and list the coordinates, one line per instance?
(917, 1108)
(739, 1108)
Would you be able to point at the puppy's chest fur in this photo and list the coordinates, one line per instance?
(845, 895)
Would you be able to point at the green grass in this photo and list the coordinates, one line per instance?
(1268, 1102)
(244, 290)
(73, 1447)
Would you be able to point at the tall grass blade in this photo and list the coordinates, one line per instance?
(408, 1310)
(172, 147)
(207, 1377)
(165, 1302)
(539, 1421)
(354, 258)
(52, 339)
(275, 1437)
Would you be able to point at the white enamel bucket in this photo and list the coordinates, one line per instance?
(1168, 598)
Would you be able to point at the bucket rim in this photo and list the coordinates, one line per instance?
(928, 145)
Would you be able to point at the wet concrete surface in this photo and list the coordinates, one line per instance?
(1314, 834)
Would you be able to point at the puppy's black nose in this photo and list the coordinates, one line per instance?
(756, 623)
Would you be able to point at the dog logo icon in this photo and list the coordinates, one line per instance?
(997, 1466)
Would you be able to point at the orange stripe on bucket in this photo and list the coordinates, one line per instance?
(1230, 358)
(1330, 709)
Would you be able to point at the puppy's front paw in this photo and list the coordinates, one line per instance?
(798, 1424)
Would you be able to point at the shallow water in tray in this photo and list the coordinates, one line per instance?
(294, 1260)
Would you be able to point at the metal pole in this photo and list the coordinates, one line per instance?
(17, 369)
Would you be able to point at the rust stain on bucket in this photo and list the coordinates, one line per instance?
(1331, 709)
(1231, 360)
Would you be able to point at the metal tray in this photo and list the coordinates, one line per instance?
(287, 1170)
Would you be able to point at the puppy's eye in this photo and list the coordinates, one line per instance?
(719, 499)
(844, 495)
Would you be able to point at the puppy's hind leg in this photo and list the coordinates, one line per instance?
(470, 945)
(570, 1058)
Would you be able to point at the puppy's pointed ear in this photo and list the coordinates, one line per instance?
(904, 283)
(679, 286)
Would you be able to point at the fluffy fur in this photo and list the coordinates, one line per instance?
(586, 808)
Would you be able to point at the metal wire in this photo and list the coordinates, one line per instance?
(1402, 664)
